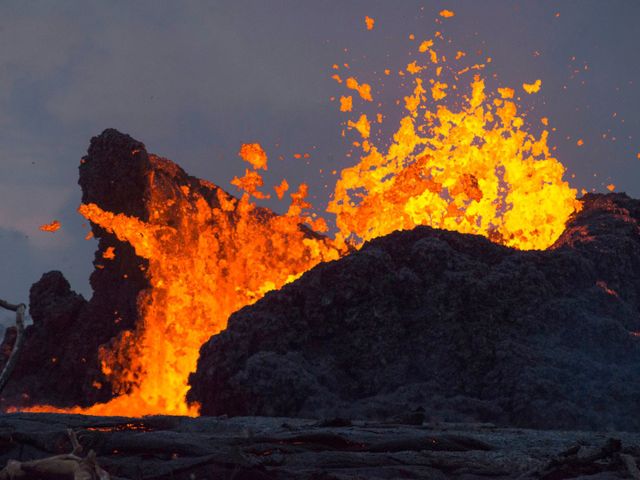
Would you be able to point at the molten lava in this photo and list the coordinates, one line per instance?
(473, 168)
(211, 263)
(54, 226)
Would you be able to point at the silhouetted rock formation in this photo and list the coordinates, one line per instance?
(451, 324)
(60, 364)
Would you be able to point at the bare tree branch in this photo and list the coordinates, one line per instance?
(17, 347)
(77, 448)
(60, 467)
(9, 306)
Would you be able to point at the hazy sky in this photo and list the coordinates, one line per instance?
(195, 79)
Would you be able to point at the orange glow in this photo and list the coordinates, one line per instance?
(611, 187)
(51, 227)
(447, 13)
(580, 142)
(603, 285)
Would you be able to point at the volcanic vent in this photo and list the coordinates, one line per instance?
(447, 323)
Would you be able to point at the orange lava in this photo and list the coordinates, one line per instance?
(212, 262)
(51, 227)
(472, 168)
(532, 87)
(369, 22)
(363, 89)
(460, 159)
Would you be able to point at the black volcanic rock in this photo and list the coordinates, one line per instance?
(55, 310)
(453, 324)
(59, 364)
(267, 448)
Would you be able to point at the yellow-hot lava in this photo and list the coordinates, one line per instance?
(473, 168)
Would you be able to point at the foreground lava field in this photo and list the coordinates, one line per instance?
(259, 448)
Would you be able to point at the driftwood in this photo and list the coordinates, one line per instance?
(631, 465)
(17, 347)
(580, 460)
(176, 448)
(59, 467)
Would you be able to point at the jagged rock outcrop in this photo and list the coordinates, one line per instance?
(60, 364)
(450, 325)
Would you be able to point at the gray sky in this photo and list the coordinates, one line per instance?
(193, 80)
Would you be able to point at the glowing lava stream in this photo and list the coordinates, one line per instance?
(472, 168)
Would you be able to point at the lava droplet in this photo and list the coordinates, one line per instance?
(532, 87)
(370, 22)
(51, 227)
